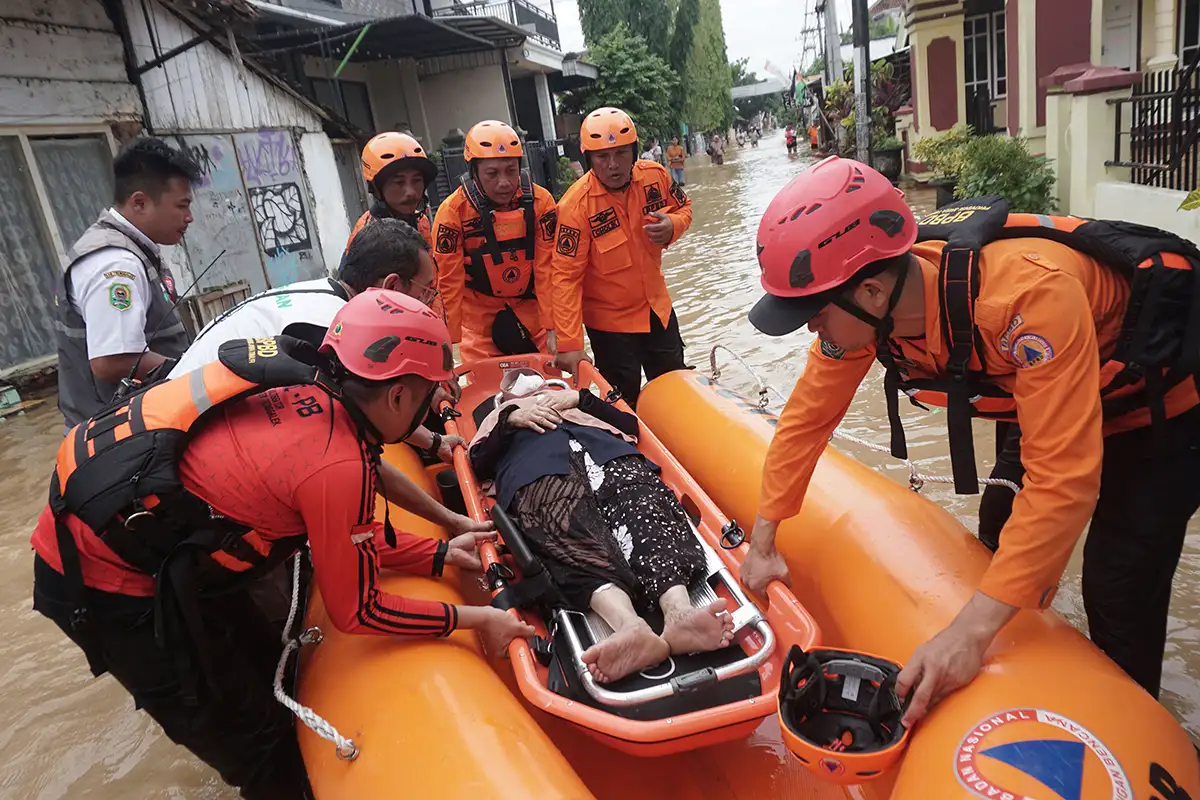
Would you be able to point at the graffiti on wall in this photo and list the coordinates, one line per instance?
(275, 185)
(222, 217)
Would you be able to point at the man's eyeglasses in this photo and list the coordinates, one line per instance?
(425, 292)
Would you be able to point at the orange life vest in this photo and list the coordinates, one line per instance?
(488, 270)
(1159, 344)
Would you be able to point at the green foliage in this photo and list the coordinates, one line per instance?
(706, 102)
(943, 152)
(650, 19)
(564, 177)
(631, 78)
(1003, 165)
(886, 143)
(881, 28)
(1191, 202)
(817, 67)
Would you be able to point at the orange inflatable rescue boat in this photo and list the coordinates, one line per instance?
(875, 568)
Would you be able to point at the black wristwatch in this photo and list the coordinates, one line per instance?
(436, 445)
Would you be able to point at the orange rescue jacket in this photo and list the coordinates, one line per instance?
(472, 285)
(382, 211)
(1047, 317)
(606, 273)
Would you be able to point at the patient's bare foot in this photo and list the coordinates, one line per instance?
(697, 630)
(627, 651)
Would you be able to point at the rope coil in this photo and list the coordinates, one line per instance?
(916, 478)
(347, 750)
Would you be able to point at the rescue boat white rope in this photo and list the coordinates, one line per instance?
(346, 748)
(916, 478)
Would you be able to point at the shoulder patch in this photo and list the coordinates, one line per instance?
(119, 273)
(830, 350)
(548, 224)
(1030, 349)
(120, 296)
(1006, 337)
(447, 239)
(677, 193)
(568, 241)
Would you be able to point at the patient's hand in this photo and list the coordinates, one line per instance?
(538, 418)
(560, 401)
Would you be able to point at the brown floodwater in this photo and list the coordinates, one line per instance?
(64, 734)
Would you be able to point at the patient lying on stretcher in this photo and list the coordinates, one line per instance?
(611, 534)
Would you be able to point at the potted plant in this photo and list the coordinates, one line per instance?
(887, 156)
(1003, 165)
(942, 153)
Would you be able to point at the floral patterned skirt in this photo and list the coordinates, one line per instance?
(617, 523)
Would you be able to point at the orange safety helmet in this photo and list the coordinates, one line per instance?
(389, 151)
(606, 128)
(492, 139)
(840, 714)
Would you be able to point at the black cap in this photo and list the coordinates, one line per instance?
(777, 316)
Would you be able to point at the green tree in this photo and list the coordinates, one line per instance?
(881, 28)
(706, 78)
(650, 19)
(631, 78)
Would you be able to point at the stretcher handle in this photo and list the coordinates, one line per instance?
(517, 648)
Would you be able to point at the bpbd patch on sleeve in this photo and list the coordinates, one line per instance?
(549, 224)
(447, 239)
(1030, 349)
(568, 241)
(120, 296)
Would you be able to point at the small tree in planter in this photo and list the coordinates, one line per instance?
(1003, 165)
(943, 154)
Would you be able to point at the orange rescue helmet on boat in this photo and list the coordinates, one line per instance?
(840, 715)
(492, 139)
(822, 233)
(605, 128)
(380, 335)
(391, 151)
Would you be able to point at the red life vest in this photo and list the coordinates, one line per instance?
(1159, 343)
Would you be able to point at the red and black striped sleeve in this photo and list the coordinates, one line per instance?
(337, 504)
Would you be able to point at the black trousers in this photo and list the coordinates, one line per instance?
(237, 727)
(622, 357)
(1149, 490)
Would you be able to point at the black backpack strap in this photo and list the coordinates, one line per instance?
(958, 290)
(527, 202)
(487, 220)
(891, 390)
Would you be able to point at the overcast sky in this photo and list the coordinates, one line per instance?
(761, 30)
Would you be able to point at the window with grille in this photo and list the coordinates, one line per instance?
(1189, 31)
(985, 54)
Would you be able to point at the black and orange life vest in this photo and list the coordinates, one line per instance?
(118, 472)
(1159, 343)
(480, 276)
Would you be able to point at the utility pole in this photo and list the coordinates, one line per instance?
(833, 42)
(862, 79)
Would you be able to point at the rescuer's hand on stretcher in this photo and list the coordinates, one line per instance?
(762, 562)
(569, 360)
(462, 551)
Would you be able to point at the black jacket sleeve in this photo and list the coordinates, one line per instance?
(486, 455)
(609, 414)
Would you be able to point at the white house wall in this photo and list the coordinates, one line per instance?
(203, 89)
(461, 98)
(61, 62)
(320, 168)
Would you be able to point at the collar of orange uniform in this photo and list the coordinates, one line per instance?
(933, 317)
(596, 186)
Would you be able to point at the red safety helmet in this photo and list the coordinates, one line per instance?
(380, 335)
(818, 235)
(840, 714)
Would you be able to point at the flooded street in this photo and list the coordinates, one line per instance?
(66, 735)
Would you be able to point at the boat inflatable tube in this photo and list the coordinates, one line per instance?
(883, 569)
